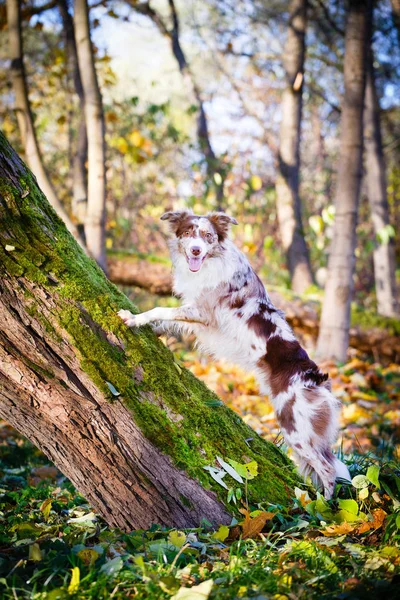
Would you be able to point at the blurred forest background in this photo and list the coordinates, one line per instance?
(126, 109)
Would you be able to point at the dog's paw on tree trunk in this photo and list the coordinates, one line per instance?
(109, 406)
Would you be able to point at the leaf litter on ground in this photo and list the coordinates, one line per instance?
(53, 546)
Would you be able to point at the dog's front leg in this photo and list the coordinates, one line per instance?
(183, 314)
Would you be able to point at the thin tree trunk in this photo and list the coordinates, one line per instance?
(96, 205)
(396, 15)
(335, 319)
(79, 149)
(384, 256)
(287, 184)
(24, 113)
(108, 405)
(215, 170)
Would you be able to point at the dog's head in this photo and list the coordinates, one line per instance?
(198, 238)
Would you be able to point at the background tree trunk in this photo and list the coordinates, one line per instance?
(108, 405)
(79, 142)
(384, 256)
(335, 319)
(215, 170)
(396, 16)
(96, 204)
(287, 184)
(24, 113)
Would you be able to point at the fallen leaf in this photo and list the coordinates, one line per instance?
(45, 507)
(177, 538)
(221, 534)
(252, 527)
(379, 516)
(75, 581)
(334, 530)
(35, 553)
(196, 592)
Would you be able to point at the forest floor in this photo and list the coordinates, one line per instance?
(53, 546)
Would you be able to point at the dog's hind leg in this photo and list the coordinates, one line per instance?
(319, 463)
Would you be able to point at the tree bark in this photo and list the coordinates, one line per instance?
(335, 319)
(215, 170)
(384, 255)
(396, 15)
(24, 113)
(96, 204)
(287, 183)
(108, 405)
(79, 142)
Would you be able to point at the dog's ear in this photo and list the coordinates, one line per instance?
(221, 223)
(175, 218)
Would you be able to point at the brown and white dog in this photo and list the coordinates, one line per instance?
(227, 308)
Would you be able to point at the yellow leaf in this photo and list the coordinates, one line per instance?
(196, 592)
(256, 182)
(75, 581)
(334, 530)
(136, 138)
(363, 494)
(45, 507)
(35, 553)
(362, 396)
(109, 243)
(221, 534)
(122, 145)
(88, 556)
(177, 538)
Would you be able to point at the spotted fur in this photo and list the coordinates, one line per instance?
(227, 308)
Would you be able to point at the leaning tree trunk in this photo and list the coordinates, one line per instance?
(107, 404)
(384, 255)
(287, 183)
(24, 113)
(335, 319)
(96, 200)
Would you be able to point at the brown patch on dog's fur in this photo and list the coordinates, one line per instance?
(312, 395)
(237, 302)
(328, 455)
(321, 419)
(221, 223)
(286, 416)
(283, 360)
(263, 327)
(177, 218)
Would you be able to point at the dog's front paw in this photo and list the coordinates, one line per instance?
(128, 318)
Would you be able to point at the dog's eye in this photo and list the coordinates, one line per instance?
(187, 233)
(209, 237)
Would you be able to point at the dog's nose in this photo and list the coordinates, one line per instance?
(195, 250)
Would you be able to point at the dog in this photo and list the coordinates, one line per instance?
(228, 309)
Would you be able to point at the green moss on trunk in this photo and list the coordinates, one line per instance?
(168, 404)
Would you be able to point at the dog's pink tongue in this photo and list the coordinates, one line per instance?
(194, 263)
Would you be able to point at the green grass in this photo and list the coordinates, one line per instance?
(48, 532)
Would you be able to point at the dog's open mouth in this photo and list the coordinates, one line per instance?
(195, 262)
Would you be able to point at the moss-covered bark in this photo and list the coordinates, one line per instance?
(62, 345)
